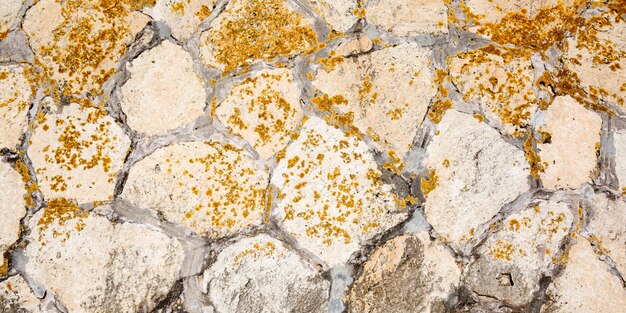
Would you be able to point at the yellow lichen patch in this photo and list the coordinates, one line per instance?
(203, 12)
(248, 31)
(428, 184)
(327, 103)
(4, 267)
(441, 103)
(256, 251)
(359, 12)
(395, 163)
(178, 7)
(501, 251)
(533, 159)
(58, 212)
(331, 61)
(438, 109)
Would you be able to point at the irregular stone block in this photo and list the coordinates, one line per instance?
(15, 296)
(608, 232)
(12, 206)
(182, 16)
(9, 11)
(408, 17)
(14, 103)
(339, 14)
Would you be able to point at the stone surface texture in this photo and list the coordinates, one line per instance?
(213, 156)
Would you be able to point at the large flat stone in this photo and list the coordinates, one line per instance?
(408, 17)
(14, 103)
(12, 206)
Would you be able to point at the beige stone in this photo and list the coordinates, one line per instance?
(607, 229)
(261, 274)
(182, 16)
(475, 172)
(214, 188)
(12, 206)
(14, 104)
(585, 285)
(619, 143)
(386, 91)
(407, 274)
(264, 110)
(331, 199)
(9, 10)
(339, 14)
(77, 60)
(571, 152)
(15, 296)
(408, 17)
(492, 11)
(93, 265)
(355, 46)
(163, 92)
(513, 259)
(77, 152)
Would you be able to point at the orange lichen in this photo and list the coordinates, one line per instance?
(58, 212)
(331, 61)
(256, 251)
(533, 159)
(429, 184)
(501, 251)
(438, 109)
(203, 12)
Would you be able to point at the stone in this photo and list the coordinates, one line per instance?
(330, 196)
(77, 152)
(474, 173)
(77, 60)
(387, 92)
(409, 273)
(216, 189)
(163, 92)
(405, 18)
(340, 15)
(14, 104)
(607, 229)
(93, 265)
(493, 11)
(260, 274)
(12, 206)
(513, 259)
(9, 11)
(355, 46)
(585, 285)
(571, 152)
(264, 110)
(230, 43)
(182, 16)
(619, 143)
(15, 296)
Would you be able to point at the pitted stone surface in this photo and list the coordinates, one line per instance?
(585, 285)
(14, 104)
(569, 125)
(408, 17)
(77, 153)
(9, 11)
(514, 258)
(94, 265)
(163, 92)
(387, 92)
(608, 232)
(340, 15)
(264, 110)
(182, 16)
(408, 273)
(214, 188)
(15, 296)
(331, 198)
(261, 274)
(12, 206)
(482, 173)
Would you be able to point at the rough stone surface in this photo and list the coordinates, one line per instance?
(93, 265)
(214, 188)
(585, 285)
(408, 273)
(260, 274)
(330, 197)
(608, 232)
(264, 110)
(15, 296)
(12, 205)
(9, 11)
(619, 143)
(163, 91)
(408, 17)
(77, 153)
(387, 92)
(514, 258)
(14, 104)
(482, 173)
(569, 125)
(183, 17)
(340, 15)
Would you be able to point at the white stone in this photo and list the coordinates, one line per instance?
(77, 153)
(261, 274)
(9, 10)
(408, 17)
(14, 104)
(15, 296)
(514, 258)
(93, 265)
(182, 16)
(12, 206)
(214, 188)
(331, 199)
(388, 92)
(607, 229)
(619, 143)
(585, 285)
(409, 273)
(163, 92)
(483, 173)
(339, 14)
(571, 152)
(264, 110)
